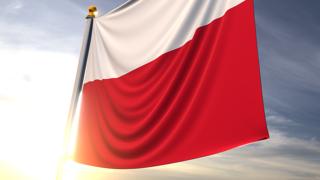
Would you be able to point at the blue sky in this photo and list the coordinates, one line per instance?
(39, 47)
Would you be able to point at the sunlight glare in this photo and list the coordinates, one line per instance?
(34, 99)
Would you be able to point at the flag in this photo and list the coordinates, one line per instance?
(168, 81)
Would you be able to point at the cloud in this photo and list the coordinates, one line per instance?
(45, 25)
(289, 45)
(13, 7)
(280, 120)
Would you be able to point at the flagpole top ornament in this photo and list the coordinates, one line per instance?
(92, 11)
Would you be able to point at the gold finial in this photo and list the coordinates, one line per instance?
(92, 11)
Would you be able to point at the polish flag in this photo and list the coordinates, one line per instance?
(168, 81)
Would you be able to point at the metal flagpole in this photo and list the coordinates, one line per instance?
(77, 88)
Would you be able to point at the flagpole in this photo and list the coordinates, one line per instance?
(77, 88)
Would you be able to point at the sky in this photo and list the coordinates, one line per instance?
(40, 43)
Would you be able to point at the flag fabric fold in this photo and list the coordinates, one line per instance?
(168, 81)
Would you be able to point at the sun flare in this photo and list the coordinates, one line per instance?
(34, 100)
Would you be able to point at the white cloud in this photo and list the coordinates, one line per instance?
(13, 7)
(279, 120)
